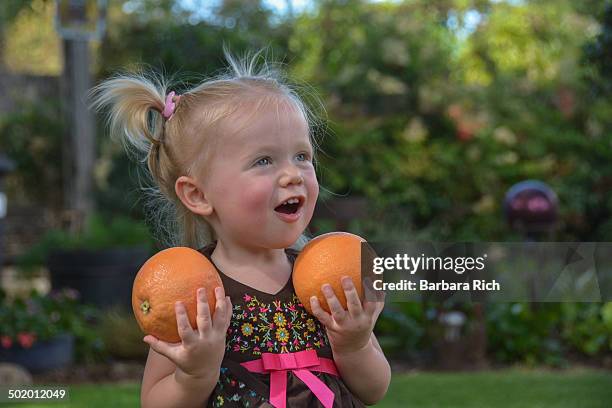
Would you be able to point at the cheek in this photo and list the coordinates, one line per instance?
(241, 200)
(312, 186)
(255, 195)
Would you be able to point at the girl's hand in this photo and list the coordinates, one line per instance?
(350, 330)
(200, 350)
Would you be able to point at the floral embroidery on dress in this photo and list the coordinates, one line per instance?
(277, 327)
(226, 385)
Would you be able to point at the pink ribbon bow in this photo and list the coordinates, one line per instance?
(301, 363)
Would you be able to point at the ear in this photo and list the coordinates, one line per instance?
(192, 196)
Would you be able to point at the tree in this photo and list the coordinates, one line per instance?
(598, 53)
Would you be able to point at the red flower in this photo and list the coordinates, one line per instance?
(465, 131)
(26, 339)
(6, 341)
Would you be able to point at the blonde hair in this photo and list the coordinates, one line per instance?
(173, 147)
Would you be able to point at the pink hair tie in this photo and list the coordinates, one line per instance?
(170, 105)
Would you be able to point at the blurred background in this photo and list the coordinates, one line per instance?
(434, 111)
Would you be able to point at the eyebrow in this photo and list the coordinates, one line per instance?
(272, 148)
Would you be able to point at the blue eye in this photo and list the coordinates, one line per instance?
(263, 161)
(303, 156)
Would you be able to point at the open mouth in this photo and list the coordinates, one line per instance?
(290, 206)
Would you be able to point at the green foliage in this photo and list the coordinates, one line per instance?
(598, 55)
(401, 329)
(25, 320)
(518, 332)
(129, 344)
(9, 9)
(181, 43)
(32, 137)
(439, 124)
(101, 233)
(587, 327)
(544, 333)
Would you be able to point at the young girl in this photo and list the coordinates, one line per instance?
(234, 158)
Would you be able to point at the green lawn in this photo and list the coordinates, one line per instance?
(93, 396)
(499, 389)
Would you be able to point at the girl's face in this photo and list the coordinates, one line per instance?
(262, 183)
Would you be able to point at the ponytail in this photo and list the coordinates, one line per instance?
(132, 98)
(135, 116)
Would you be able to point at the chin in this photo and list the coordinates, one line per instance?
(286, 242)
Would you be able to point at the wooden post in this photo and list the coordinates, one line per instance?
(79, 146)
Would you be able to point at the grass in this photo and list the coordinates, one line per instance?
(92, 396)
(500, 389)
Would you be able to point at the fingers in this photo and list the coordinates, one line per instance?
(223, 309)
(357, 310)
(161, 347)
(222, 313)
(337, 311)
(353, 303)
(228, 317)
(221, 319)
(185, 331)
(373, 307)
(319, 313)
(377, 295)
(203, 319)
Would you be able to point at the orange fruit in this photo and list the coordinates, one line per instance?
(326, 259)
(172, 275)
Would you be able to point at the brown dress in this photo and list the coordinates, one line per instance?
(270, 323)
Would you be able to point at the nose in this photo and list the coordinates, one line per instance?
(291, 175)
